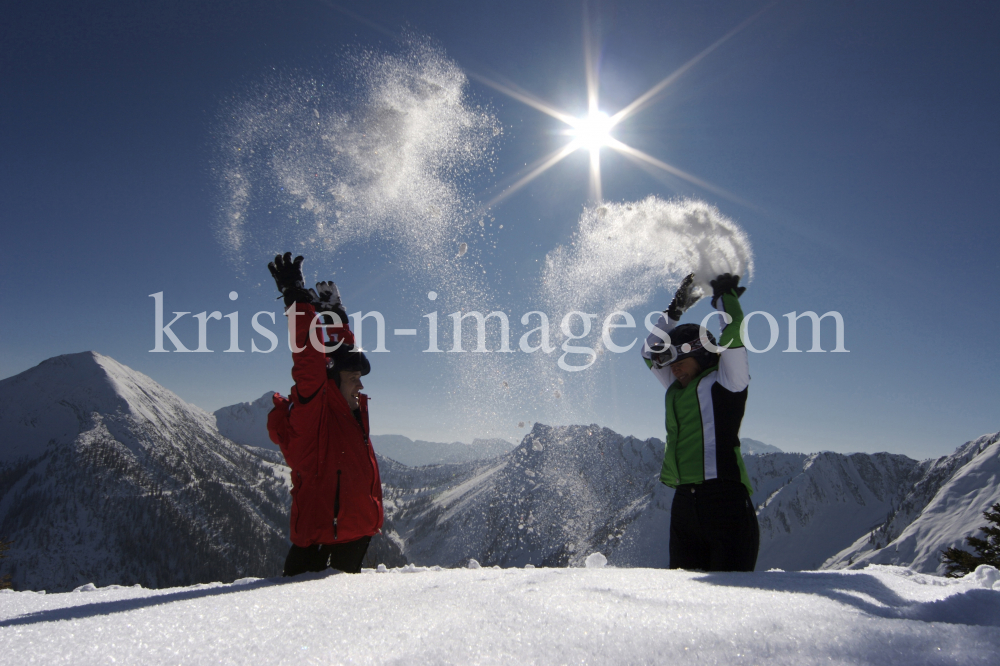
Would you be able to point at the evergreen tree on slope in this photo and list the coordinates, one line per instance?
(4, 580)
(961, 562)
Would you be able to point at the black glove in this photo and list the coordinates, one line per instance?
(725, 284)
(328, 300)
(686, 296)
(287, 274)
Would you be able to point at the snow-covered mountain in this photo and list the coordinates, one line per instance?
(568, 491)
(416, 453)
(940, 510)
(246, 423)
(753, 447)
(560, 495)
(107, 477)
(811, 506)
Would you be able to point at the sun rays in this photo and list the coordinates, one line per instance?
(593, 132)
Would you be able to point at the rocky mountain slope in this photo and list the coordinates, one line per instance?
(753, 447)
(566, 492)
(940, 510)
(107, 477)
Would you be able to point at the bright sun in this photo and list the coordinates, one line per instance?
(594, 131)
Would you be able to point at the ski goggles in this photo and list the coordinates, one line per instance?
(673, 353)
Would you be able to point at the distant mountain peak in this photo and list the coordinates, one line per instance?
(108, 477)
(246, 422)
(53, 401)
(755, 447)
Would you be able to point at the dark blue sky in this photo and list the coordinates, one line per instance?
(861, 139)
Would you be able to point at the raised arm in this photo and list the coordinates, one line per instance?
(687, 295)
(308, 363)
(734, 367)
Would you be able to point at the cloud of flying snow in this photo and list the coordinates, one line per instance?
(305, 167)
(623, 253)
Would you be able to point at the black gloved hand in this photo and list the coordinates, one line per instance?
(724, 284)
(686, 296)
(328, 300)
(287, 274)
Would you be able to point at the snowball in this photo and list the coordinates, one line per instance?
(985, 576)
(595, 561)
(473, 564)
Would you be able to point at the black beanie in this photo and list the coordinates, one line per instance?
(346, 358)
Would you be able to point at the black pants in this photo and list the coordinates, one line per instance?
(344, 557)
(713, 527)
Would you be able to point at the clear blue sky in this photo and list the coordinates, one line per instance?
(857, 141)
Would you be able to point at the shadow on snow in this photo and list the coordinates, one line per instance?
(125, 605)
(868, 594)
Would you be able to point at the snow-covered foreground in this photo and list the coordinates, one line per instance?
(881, 615)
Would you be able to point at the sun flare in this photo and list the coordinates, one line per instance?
(592, 132)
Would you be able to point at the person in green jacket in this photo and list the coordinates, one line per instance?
(713, 525)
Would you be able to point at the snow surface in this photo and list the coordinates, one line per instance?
(882, 615)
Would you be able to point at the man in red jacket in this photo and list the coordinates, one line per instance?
(336, 489)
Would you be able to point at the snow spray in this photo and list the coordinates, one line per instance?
(622, 256)
(387, 155)
(305, 167)
(623, 253)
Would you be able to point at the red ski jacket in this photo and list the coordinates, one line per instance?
(336, 489)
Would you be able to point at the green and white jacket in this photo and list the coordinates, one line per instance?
(703, 419)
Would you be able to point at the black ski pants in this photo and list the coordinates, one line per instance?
(346, 557)
(713, 527)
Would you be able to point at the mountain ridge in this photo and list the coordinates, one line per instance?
(246, 423)
(107, 477)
